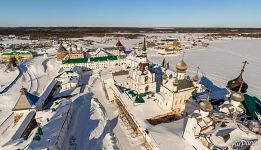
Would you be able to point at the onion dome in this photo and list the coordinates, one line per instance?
(206, 106)
(235, 84)
(196, 77)
(237, 97)
(118, 44)
(176, 82)
(181, 66)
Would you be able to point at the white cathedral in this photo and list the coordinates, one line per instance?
(177, 88)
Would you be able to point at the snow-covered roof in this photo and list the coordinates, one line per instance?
(63, 93)
(122, 78)
(46, 92)
(235, 135)
(52, 128)
(23, 124)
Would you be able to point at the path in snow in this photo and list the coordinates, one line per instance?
(94, 123)
(112, 113)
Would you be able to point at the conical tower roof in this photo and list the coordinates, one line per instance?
(26, 100)
(144, 64)
(118, 44)
(167, 65)
(61, 48)
(144, 48)
(163, 62)
(196, 77)
(206, 106)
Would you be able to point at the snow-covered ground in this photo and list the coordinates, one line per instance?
(38, 72)
(7, 77)
(15, 41)
(95, 122)
(221, 61)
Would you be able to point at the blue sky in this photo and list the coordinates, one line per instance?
(133, 13)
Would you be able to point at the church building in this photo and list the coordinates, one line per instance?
(143, 78)
(176, 89)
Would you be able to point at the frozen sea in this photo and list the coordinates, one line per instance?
(222, 61)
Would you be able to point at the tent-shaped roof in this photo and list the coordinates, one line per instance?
(118, 44)
(62, 49)
(26, 100)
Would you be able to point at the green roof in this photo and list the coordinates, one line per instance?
(92, 59)
(145, 94)
(253, 105)
(75, 61)
(132, 93)
(139, 99)
(13, 53)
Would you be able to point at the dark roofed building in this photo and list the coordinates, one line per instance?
(184, 84)
(120, 46)
(61, 52)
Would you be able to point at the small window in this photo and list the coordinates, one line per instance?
(146, 78)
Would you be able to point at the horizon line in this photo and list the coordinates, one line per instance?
(171, 27)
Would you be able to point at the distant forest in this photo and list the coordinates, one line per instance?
(129, 32)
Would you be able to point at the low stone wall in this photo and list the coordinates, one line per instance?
(134, 125)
